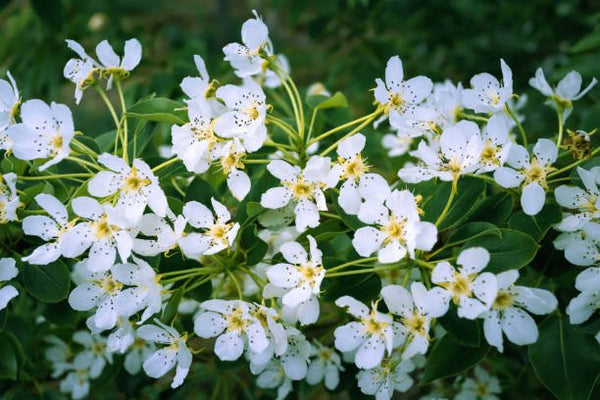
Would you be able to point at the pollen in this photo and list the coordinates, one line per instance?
(133, 182)
(236, 321)
(102, 229)
(252, 112)
(394, 230)
(218, 232)
(110, 286)
(374, 326)
(416, 324)
(353, 168)
(536, 173)
(504, 299)
(309, 273)
(460, 286)
(301, 190)
(488, 154)
(56, 143)
(395, 102)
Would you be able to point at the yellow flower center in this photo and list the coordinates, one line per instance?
(309, 273)
(301, 190)
(236, 321)
(218, 232)
(354, 167)
(133, 182)
(536, 173)
(504, 299)
(488, 154)
(102, 229)
(416, 324)
(325, 354)
(252, 111)
(232, 160)
(460, 286)
(110, 286)
(394, 230)
(395, 101)
(56, 143)
(372, 325)
(117, 72)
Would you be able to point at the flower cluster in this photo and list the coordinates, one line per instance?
(316, 262)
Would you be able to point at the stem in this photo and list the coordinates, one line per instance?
(453, 191)
(576, 163)
(284, 126)
(85, 148)
(288, 81)
(257, 161)
(108, 104)
(330, 215)
(350, 263)
(125, 124)
(472, 117)
(514, 117)
(363, 271)
(164, 164)
(425, 264)
(55, 176)
(235, 283)
(352, 132)
(84, 162)
(342, 127)
(560, 128)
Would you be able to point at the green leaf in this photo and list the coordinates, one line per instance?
(513, 250)
(49, 12)
(253, 209)
(469, 190)
(470, 231)
(363, 287)
(170, 310)
(256, 248)
(159, 109)
(466, 332)
(587, 43)
(320, 102)
(201, 191)
(567, 362)
(494, 209)
(536, 226)
(48, 283)
(448, 358)
(8, 360)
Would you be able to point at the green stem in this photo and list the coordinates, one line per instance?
(342, 127)
(54, 176)
(125, 123)
(288, 81)
(514, 117)
(472, 117)
(284, 126)
(453, 191)
(423, 263)
(560, 129)
(256, 161)
(573, 165)
(350, 263)
(83, 162)
(108, 104)
(352, 132)
(85, 148)
(362, 271)
(165, 164)
(235, 283)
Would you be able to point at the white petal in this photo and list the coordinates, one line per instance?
(276, 197)
(519, 327)
(473, 260)
(470, 308)
(508, 177)
(351, 146)
(85, 296)
(198, 215)
(370, 353)
(354, 307)
(160, 362)
(443, 272)
(87, 207)
(492, 330)
(282, 170)
(40, 226)
(307, 215)
(485, 287)
(588, 280)
(545, 151)
(437, 302)
(283, 275)
(391, 252)
(398, 300)
(536, 301)
(569, 86)
(239, 184)
(533, 198)
(367, 240)
(229, 346)
(107, 55)
(132, 54)
(53, 206)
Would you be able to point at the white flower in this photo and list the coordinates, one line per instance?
(145, 291)
(197, 86)
(113, 64)
(531, 173)
(139, 351)
(218, 234)
(371, 337)
(413, 313)
(273, 376)
(7, 272)
(294, 361)
(45, 132)
(277, 336)
(47, 228)
(584, 202)
(358, 183)
(137, 187)
(447, 100)
(581, 247)
(94, 355)
(176, 354)
(97, 289)
(325, 366)
(399, 95)
(507, 315)
(496, 143)
(382, 381)
(77, 382)
(235, 327)
(304, 188)
(194, 142)
(397, 143)
(483, 387)
(487, 95)
(81, 70)
(9, 200)
(581, 308)
(398, 230)
(245, 115)
(122, 338)
(457, 153)
(168, 232)
(472, 292)
(102, 231)
(567, 91)
(299, 282)
(9, 108)
(230, 157)
(245, 58)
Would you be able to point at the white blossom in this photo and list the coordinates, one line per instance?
(581, 307)
(137, 187)
(80, 70)
(325, 366)
(383, 380)
(45, 132)
(398, 230)
(583, 204)
(483, 387)
(507, 313)
(529, 173)
(471, 291)
(486, 94)
(496, 143)
(8, 271)
(10, 101)
(567, 90)
(9, 199)
(116, 66)
(175, 354)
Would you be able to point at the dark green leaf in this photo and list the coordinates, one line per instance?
(536, 226)
(513, 250)
(253, 209)
(363, 287)
(201, 191)
(170, 310)
(495, 209)
(8, 360)
(466, 332)
(567, 362)
(48, 283)
(50, 12)
(159, 109)
(448, 358)
(471, 231)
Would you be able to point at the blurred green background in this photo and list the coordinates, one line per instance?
(342, 43)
